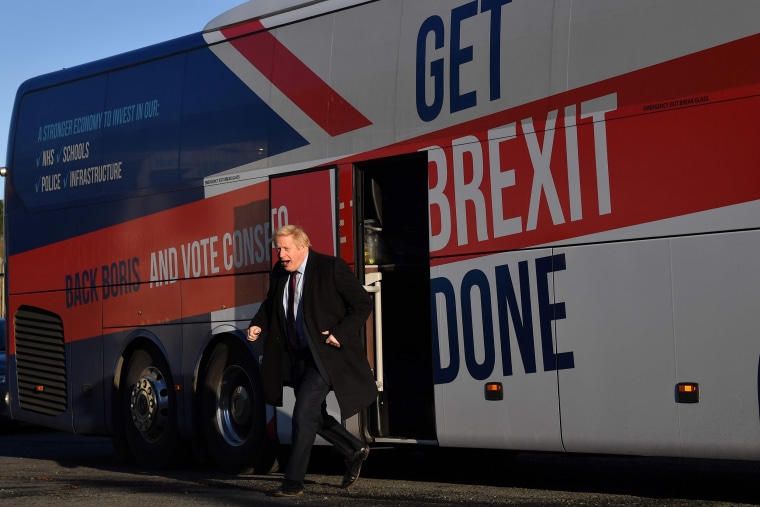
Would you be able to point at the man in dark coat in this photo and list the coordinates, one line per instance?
(313, 315)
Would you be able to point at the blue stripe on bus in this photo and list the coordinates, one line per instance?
(209, 122)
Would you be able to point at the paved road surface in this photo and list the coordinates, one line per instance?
(51, 469)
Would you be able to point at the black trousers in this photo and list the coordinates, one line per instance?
(310, 418)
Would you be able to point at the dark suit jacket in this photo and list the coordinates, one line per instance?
(333, 300)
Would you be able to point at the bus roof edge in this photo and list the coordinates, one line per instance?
(255, 9)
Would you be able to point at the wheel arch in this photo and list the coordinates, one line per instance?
(217, 335)
(224, 333)
(156, 406)
(138, 338)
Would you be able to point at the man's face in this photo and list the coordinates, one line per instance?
(291, 257)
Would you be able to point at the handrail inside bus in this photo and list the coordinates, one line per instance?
(372, 284)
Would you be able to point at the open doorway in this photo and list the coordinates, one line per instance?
(392, 233)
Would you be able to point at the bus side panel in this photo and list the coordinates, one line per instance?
(716, 289)
(308, 199)
(364, 77)
(90, 383)
(490, 319)
(619, 326)
(168, 339)
(65, 360)
(432, 33)
(609, 39)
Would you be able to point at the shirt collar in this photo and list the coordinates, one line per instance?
(302, 268)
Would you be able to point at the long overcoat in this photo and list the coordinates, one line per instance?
(333, 300)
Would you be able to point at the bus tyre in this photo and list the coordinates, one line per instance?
(233, 414)
(149, 410)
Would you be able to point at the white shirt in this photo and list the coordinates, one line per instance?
(299, 287)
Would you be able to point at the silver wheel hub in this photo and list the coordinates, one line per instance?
(149, 404)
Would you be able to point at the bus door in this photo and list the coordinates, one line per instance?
(391, 238)
(307, 199)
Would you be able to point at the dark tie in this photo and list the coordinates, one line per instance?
(291, 317)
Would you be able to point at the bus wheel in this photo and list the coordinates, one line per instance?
(233, 410)
(149, 410)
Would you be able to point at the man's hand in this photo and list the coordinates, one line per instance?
(331, 339)
(253, 333)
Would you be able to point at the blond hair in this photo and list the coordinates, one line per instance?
(300, 238)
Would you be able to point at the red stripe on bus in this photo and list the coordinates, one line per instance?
(296, 80)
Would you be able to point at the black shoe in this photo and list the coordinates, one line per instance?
(289, 488)
(354, 466)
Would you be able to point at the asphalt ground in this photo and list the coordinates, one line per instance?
(40, 467)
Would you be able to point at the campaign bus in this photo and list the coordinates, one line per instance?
(554, 205)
